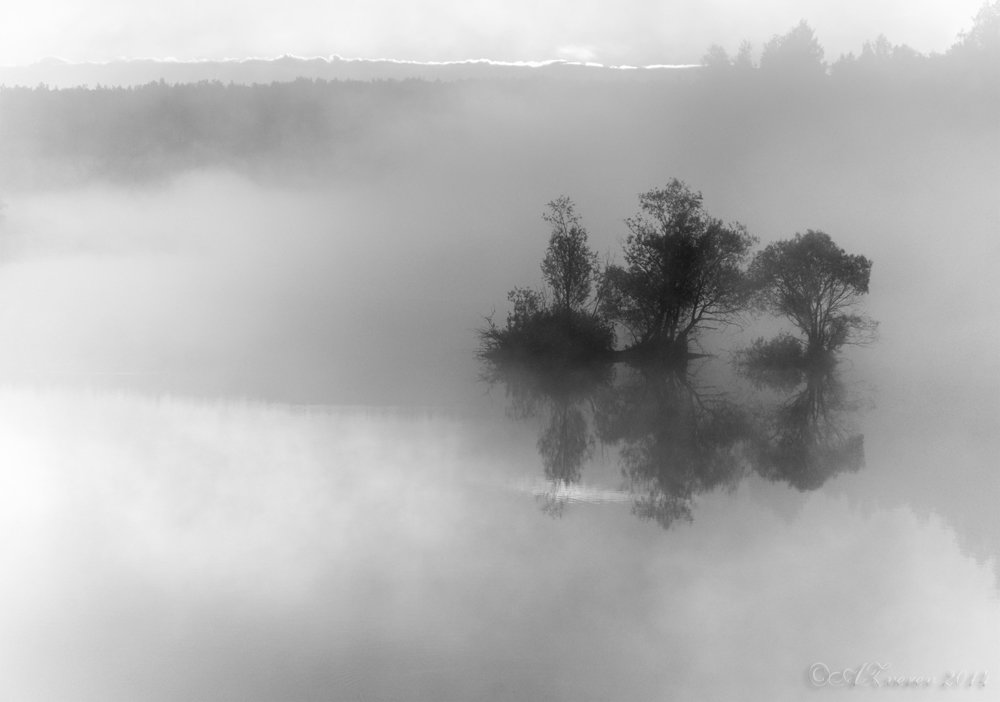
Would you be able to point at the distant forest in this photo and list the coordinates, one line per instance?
(311, 127)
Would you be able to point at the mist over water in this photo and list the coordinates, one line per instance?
(318, 295)
(246, 454)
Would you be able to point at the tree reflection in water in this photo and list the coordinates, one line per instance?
(675, 439)
(676, 436)
(807, 439)
(564, 397)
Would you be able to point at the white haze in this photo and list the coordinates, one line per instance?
(176, 530)
(213, 283)
(164, 549)
(369, 289)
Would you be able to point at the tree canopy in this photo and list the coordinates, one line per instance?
(815, 284)
(984, 35)
(683, 270)
(558, 329)
(569, 266)
(796, 53)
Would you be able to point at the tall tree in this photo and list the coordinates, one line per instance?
(976, 54)
(744, 57)
(684, 270)
(815, 284)
(984, 36)
(797, 54)
(569, 266)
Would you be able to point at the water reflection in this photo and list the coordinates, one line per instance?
(676, 438)
(678, 433)
(808, 438)
(166, 549)
(566, 399)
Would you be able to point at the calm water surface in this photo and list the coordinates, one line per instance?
(231, 475)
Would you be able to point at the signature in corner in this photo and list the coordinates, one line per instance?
(874, 675)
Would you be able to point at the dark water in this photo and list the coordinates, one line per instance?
(246, 455)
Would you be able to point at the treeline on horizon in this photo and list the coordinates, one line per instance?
(318, 126)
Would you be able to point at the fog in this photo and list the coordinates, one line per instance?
(297, 295)
(274, 284)
(247, 454)
(172, 548)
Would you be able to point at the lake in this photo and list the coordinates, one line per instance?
(247, 453)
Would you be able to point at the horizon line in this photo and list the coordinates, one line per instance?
(336, 58)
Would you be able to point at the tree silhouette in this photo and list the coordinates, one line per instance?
(795, 55)
(744, 57)
(716, 59)
(569, 265)
(684, 271)
(816, 285)
(557, 331)
(975, 57)
(984, 36)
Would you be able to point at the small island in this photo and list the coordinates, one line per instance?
(601, 354)
(684, 272)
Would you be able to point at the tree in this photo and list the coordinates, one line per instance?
(569, 265)
(976, 54)
(525, 305)
(684, 270)
(816, 285)
(716, 59)
(744, 57)
(797, 54)
(555, 331)
(984, 36)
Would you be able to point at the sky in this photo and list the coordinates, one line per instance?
(626, 32)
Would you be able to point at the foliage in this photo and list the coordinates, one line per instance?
(984, 36)
(816, 285)
(777, 362)
(560, 331)
(716, 58)
(796, 54)
(976, 54)
(548, 336)
(525, 304)
(569, 266)
(352, 129)
(782, 351)
(744, 57)
(683, 270)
